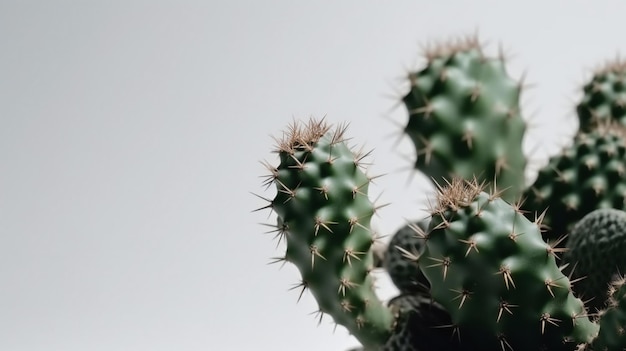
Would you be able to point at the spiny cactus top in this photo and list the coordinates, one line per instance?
(489, 267)
(464, 117)
(324, 216)
(604, 96)
(587, 175)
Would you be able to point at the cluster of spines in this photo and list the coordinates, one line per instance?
(324, 216)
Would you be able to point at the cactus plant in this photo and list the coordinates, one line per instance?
(464, 117)
(477, 274)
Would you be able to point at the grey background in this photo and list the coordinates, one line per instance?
(130, 135)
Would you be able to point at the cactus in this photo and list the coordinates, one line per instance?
(324, 215)
(489, 267)
(595, 253)
(477, 274)
(604, 97)
(464, 118)
(402, 257)
(587, 175)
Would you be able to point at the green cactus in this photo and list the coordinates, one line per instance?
(402, 256)
(595, 253)
(464, 118)
(587, 175)
(604, 97)
(324, 215)
(612, 334)
(489, 267)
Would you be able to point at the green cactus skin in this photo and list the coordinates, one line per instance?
(588, 175)
(595, 253)
(402, 257)
(612, 334)
(324, 215)
(464, 118)
(489, 267)
(604, 97)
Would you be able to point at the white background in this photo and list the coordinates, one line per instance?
(131, 134)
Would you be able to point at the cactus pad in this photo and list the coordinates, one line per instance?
(489, 267)
(324, 216)
(464, 118)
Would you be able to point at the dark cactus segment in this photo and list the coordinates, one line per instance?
(612, 335)
(588, 175)
(401, 259)
(464, 118)
(324, 215)
(421, 325)
(490, 269)
(596, 252)
(604, 97)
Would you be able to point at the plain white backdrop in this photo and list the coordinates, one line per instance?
(131, 134)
